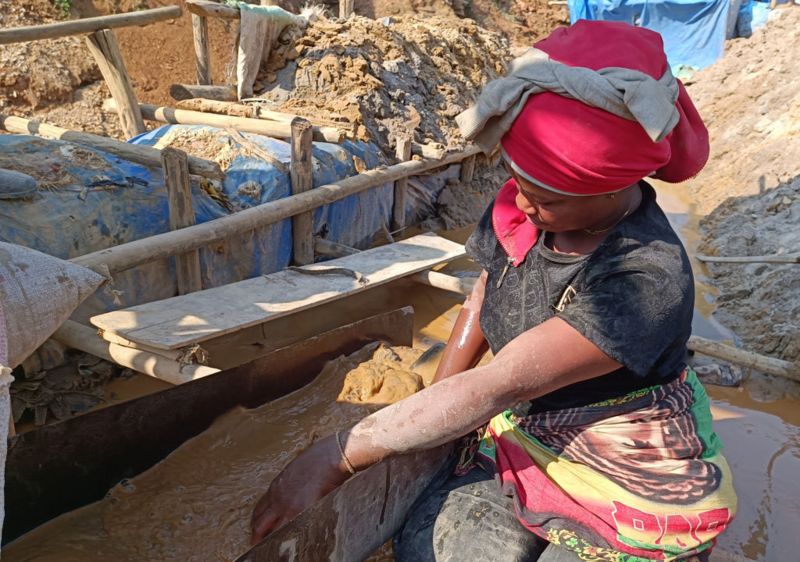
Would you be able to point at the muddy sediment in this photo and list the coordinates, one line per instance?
(196, 504)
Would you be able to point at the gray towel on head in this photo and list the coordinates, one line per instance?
(624, 92)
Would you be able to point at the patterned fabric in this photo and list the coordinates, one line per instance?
(629, 480)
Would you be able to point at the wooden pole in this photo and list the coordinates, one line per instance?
(462, 286)
(756, 361)
(213, 9)
(160, 246)
(467, 170)
(181, 215)
(87, 25)
(140, 154)
(258, 126)
(202, 59)
(403, 153)
(345, 8)
(181, 92)
(105, 49)
(302, 181)
(749, 259)
(84, 338)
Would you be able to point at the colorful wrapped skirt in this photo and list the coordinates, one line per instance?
(633, 479)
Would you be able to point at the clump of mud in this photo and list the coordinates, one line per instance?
(759, 301)
(391, 77)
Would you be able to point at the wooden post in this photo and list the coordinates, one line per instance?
(181, 214)
(467, 170)
(105, 49)
(345, 8)
(202, 59)
(302, 180)
(403, 153)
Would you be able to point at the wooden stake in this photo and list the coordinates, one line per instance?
(129, 255)
(467, 170)
(202, 59)
(756, 361)
(345, 8)
(302, 181)
(139, 153)
(403, 153)
(87, 25)
(105, 49)
(181, 214)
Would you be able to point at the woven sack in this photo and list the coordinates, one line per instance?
(38, 293)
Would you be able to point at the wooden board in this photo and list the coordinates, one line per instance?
(190, 319)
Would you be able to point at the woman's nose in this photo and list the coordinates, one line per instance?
(524, 205)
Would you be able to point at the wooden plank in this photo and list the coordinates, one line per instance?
(403, 153)
(274, 129)
(128, 255)
(302, 181)
(202, 58)
(145, 155)
(213, 9)
(353, 521)
(87, 25)
(181, 215)
(105, 50)
(190, 319)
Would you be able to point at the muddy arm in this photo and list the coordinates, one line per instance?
(466, 345)
(539, 361)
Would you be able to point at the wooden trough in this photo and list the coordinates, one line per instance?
(67, 465)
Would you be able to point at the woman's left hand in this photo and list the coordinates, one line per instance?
(312, 475)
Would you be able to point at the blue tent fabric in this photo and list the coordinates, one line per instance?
(693, 30)
(90, 200)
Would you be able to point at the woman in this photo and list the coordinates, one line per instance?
(599, 439)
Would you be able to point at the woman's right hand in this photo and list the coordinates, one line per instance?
(315, 472)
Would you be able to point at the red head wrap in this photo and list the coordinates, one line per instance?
(570, 147)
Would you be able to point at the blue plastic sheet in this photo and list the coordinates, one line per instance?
(693, 31)
(90, 200)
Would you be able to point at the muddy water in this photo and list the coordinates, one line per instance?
(196, 504)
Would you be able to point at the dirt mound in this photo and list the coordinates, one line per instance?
(758, 301)
(751, 185)
(392, 77)
(752, 109)
(39, 73)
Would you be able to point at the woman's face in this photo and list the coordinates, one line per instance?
(554, 212)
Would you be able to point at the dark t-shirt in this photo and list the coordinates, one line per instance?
(633, 298)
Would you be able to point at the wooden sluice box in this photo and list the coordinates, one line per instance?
(269, 336)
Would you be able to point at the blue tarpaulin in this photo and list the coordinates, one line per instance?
(693, 30)
(89, 200)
